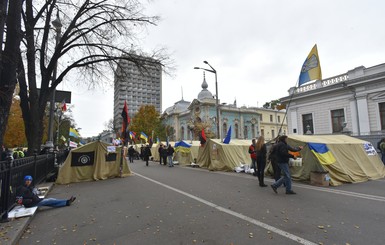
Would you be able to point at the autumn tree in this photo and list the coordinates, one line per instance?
(147, 120)
(90, 42)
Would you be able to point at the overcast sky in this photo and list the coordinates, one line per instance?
(257, 47)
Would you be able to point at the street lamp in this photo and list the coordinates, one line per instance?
(216, 95)
(57, 24)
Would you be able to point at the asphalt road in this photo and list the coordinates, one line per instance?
(183, 205)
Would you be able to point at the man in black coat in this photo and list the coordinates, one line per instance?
(282, 157)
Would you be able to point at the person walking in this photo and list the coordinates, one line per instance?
(253, 156)
(27, 195)
(260, 149)
(146, 153)
(131, 153)
(160, 150)
(170, 155)
(272, 156)
(164, 155)
(283, 156)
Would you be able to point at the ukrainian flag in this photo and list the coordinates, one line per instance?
(182, 146)
(322, 153)
(311, 68)
(143, 136)
(74, 133)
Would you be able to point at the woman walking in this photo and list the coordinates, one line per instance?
(261, 160)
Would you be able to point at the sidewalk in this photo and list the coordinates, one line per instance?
(10, 232)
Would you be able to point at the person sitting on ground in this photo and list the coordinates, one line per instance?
(27, 195)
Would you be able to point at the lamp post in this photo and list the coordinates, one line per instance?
(57, 24)
(216, 95)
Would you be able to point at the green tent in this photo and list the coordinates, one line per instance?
(93, 161)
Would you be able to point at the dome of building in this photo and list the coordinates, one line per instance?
(204, 94)
(178, 107)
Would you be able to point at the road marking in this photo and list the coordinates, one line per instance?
(334, 191)
(235, 214)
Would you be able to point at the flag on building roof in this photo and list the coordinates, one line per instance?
(125, 121)
(228, 136)
(63, 106)
(322, 153)
(74, 133)
(202, 137)
(143, 136)
(311, 68)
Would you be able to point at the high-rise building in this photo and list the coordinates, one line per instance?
(139, 84)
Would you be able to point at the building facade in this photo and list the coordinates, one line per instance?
(245, 122)
(138, 84)
(351, 103)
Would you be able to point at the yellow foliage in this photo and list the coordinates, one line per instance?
(15, 131)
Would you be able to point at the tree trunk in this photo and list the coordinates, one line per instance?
(8, 62)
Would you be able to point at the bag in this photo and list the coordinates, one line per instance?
(379, 145)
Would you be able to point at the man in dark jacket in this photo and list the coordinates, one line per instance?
(27, 195)
(146, 153)
(282, 156)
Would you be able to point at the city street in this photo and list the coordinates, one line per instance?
(183, 205)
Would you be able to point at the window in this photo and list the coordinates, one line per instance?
(253, 130)
(236, 129)
(260, 118)
(245, 132)
(224, 127)
(272, 134)
(381, 107)
(263, 132)
(182, 133)
(338, 118)
(271, 118)
(279, 119)
(307, 124)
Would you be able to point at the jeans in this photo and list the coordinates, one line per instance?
(52, 202)
(170, 163)
(286, 178)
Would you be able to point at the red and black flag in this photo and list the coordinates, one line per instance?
(202, 137)
(125, 122)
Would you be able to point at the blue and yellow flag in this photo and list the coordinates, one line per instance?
(182, 146)
(74, 133)
(143, 136)
(322, 153)
(311, 68)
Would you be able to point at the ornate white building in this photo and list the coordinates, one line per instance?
(353, 103)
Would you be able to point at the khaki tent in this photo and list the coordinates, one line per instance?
(215, 155)
(185, 155)
(355, 160)
(92, 162)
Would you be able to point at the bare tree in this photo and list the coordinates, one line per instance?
(93, 39)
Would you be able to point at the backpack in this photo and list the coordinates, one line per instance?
(378, 144)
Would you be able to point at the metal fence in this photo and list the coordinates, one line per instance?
(12, 172)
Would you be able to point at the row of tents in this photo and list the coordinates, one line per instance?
(355, 160)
